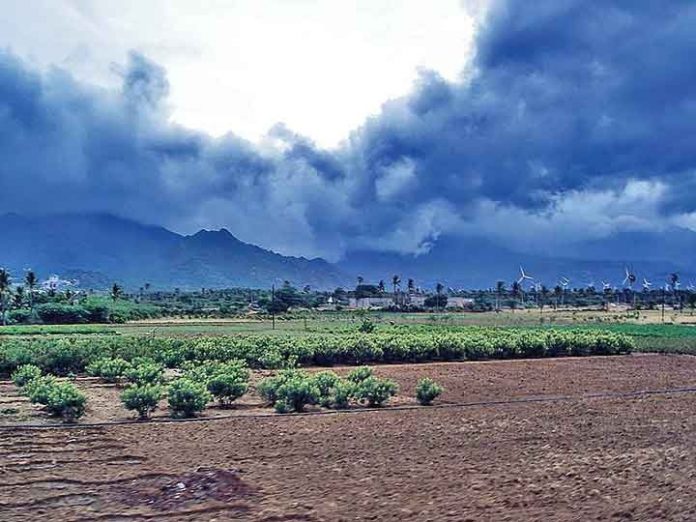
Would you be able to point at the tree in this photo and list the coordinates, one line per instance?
(411, 285)
(116, 292)
(5, 292)
(543, 296)
(396, 282)
(361, 280)
(516, 290)
(19, 297)
(438, 290)
(31, 282)
(380, 286)
(499, 289)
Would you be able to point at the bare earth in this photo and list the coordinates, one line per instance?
(581, 458)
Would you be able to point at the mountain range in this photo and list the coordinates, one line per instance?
(98, 249)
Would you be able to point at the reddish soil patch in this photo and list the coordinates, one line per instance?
(627, 458)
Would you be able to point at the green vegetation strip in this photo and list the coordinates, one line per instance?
(71, 355)
(393, 409)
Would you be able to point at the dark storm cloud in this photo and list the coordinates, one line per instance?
(571, 109)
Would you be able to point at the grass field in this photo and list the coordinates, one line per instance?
(677, 335)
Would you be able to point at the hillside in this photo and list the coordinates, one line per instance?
(100, 249)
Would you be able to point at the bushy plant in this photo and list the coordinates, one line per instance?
(25, 373)
(66, 401)
(39, 389)
(187, 397)
(367, 326)
(427, 391)
(325, 382)
(227, 387)
(110, 370)
(360, 374)
(375, 392)
(145, 372)
(296, 393)
(142, 399)
(267, 389)
(341, 394)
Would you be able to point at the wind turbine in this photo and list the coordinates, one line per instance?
(524, 277)
(630, 278)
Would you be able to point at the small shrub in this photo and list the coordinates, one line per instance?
(66, 401)
(367, 326)
(110, 370)
(325, 382)
(227, 387)
(187, 397)
(360, 374)
(296, 393)
(143, 399)
(375, 392)
(24, 374)
(342, 393)
(282, 407)
(267, 389)
(145, 372)
(39, 389)
(427, 391)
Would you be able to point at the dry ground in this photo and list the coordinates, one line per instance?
(608, 458)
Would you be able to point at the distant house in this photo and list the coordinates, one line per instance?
(459, 302)
(366, 303)
(416, 300)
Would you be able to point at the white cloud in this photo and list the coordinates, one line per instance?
(319, 66)
(574, 216)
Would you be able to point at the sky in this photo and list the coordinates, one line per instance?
(317, 128)
(244, 66)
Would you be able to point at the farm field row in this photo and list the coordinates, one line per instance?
(581, 459)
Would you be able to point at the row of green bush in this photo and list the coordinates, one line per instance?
(59, 398)
(73, 354)
(291, 390)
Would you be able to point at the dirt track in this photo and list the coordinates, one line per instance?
(584, 459)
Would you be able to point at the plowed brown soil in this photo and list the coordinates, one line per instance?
(580, 458)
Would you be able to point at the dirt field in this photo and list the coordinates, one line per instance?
(579, 458)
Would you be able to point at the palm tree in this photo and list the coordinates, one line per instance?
(438, 290)
(361, 280)
(380, 286)
(116, 292)
(674, 282)
(558, 294)
(396, 281)
(499, 289)
(5, 290)
(31, 281)
(411, 285)
(544, 293)
(516, 291)
(19, 297)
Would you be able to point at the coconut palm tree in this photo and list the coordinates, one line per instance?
(396, 282)
(516, 290)
(499, 289)
(438, 290)
(31, 282)
(116, 292)
(19, 297)
(5, 292)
